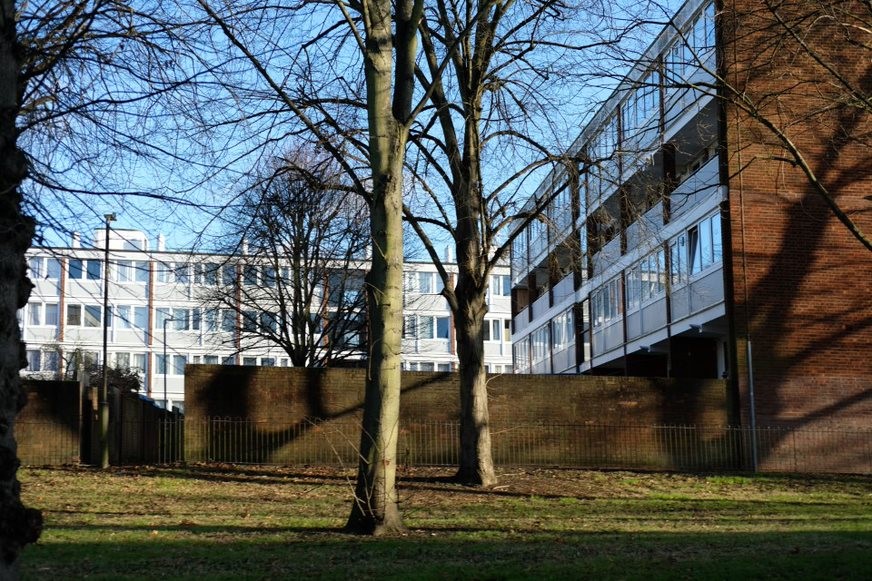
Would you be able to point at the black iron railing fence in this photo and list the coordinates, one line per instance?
(709, 448)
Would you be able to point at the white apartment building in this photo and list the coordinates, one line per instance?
(625, 276)
(158, 322)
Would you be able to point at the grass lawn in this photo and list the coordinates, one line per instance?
(209, 522)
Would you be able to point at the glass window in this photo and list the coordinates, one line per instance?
(442, 327)
(268, 322)
(161, 364)
(249, 321)
(425, 327)
(76, 268)
(443, 367)
(161, 315)
(211, 320)
(34, 360)
(249, 361)
(53, 268)
(228, 275)
(410, 327)
(210, 274)
(268, 361)
(52, 315)
(34, 266)
(182, 319)
(94, 269)
(139, 360)
(124, 271)
(92, 316)
(228, 320)
(34, 313)
(182, 273)
(164, 273)
(122, 316)
(122, 360)
(210, 359)
(140, 271)
(228, 360)
(140, 317)
(269, 277)
(50, 360)
(179, 362)
(195, 319)
(425, 366)
(249, 275)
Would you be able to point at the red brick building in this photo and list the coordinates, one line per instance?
(721, 222)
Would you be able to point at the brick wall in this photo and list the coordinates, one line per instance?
(802, 285)
(48, 429)
(532, 417)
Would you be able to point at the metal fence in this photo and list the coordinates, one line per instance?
(693, 448)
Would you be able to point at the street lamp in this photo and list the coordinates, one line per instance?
(104, 391)
(166, 361)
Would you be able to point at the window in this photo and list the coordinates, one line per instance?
(139, 360)
(443, 367)
(705, 246)
(210, 359)
(179, 362)
(211, 319)
(228, 320)
(493, 329)
(34, 360)
(646, 280)
(678, 260)
(269, 277)
(249, 361)
(50, 360)
(52, 315)
(182, 273)
(74, 315)
(122, 361)
(268, 361)
(249, 321)
(161, 316)
(426, 327)
(521, 354)
(195, 319)
(92, 316)
(122, 316)
(249, 275)
(607, 303)
(541, 344)
(35, 267)
(34, 314)
(425, 366)
(182, 319)
(84, 269)
(501, 285)
(268, 322)
(228, 360)
(410, 327)
(563, 331)
(124, 271)
(164, 272)
(228, 275)
(53, 268)
(140, 317)
(161, 364)
(206, 273)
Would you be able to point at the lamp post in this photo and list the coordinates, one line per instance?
(166, 361)
(104, 391)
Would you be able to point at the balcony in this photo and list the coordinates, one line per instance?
(696, 188)
(564, 290)
(603, 259)
(541, 305)
(645, 228)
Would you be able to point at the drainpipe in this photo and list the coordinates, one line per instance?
(752, 407)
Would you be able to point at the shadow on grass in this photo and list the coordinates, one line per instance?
(436, 554)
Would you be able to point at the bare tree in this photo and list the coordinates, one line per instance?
(361, 116)
(493, 122)
(304, 239)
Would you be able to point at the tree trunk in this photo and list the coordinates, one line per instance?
(476, 461)
(19, 525)
(376, 510)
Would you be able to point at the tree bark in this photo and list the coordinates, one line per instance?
(376, 509)
(19, 525)
(476, 461)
